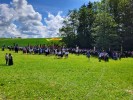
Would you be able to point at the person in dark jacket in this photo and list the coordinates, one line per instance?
(10, 59)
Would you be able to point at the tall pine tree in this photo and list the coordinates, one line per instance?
(86, 18)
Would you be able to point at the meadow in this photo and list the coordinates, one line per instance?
(26, 41)
(40, 77)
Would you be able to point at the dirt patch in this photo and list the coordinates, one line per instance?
(130, 91)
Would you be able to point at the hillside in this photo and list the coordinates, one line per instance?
(25, 42)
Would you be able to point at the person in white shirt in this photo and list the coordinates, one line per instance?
(6, 58)
(77, 50)
(100, 56)
(66, 54)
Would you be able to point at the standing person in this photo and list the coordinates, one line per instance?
(3, 47)
(88, 54)
(60, 54)
(77, 50)
(16, 48)
(66, 53)
(119, 55)
(106, 57)
(47, 51)
(10, 59)
(100, 56)
(56, 53)
(6, 58)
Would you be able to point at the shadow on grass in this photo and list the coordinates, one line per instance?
(3, 65)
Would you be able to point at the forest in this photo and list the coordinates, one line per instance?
(105, 25)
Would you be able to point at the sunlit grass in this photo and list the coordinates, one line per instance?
(37, 77)
(27, 41)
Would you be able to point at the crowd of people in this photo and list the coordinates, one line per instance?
(59, 52)
(63, 52)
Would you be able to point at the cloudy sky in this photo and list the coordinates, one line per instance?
(34, 18)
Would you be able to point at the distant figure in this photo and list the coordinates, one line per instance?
(88, 54)
(66, 53)
(6, 58)
(77, 50)
(3, 47)
(10, 59)
(106, 57)
(16, 48)
(60, 55)
(47, 51)
(100, 56)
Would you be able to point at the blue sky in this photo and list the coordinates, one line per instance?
(35, 18)
(53, 6)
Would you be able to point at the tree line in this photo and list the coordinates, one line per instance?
(107, 24)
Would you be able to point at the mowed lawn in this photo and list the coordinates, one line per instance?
(37, 77)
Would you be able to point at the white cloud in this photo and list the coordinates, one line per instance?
(53, 24)
(20, 19)
(7, 28)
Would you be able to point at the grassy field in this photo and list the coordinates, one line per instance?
(25, 42)
(37, 77)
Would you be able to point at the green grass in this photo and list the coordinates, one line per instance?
(37, 77)
(25, 42)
